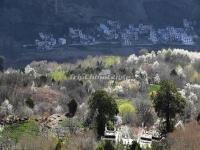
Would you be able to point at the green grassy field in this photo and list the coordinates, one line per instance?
(15, 132)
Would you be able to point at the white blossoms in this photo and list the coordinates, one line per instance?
(180, 72)
(150, 57)
(132, 59)
(119, 89)
(161, 55)
(182, 92)
(193, 56)
(155, 65)
(30, 70)
(191, 92)
(157, 79)
(58, 109)
(108, 89)
(193, 88)
(193, 97)
(6, 107)
(140, 74)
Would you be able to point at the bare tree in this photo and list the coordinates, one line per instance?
(144, 112)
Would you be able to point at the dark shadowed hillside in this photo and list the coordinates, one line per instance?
(22, 20)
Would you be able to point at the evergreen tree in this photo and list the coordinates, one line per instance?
(105, 108)
(168, 102)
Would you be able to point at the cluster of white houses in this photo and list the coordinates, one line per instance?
(78, 37)
(126, 135)
(171, 34)
(47, 41)
(129, 35)
(122, 135)
(125, 35)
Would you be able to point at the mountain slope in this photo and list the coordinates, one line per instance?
(21, 20)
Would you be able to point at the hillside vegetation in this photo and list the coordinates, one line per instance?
(73, 114)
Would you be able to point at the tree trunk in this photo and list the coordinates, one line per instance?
(168, 125)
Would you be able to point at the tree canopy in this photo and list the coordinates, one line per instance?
(198, 118)
(103, 107)
(72, 105)
(135, 146)
(107, 145)
(168, 102)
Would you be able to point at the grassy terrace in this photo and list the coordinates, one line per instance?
(15, 132)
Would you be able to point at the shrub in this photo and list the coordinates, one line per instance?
(110, 125)
(107, 145)
(153, 88)
(30, 103)
(125, 106)
(111, 60)
(198, 118)
(189, 138)
(59, 145)
(58, 75)
(135, 146)
(72, 105)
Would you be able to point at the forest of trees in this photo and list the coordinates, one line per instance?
(43, 108)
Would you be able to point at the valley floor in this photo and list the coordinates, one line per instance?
(21, 57)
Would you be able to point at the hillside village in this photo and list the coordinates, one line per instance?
(99, 75)
(114, 33)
